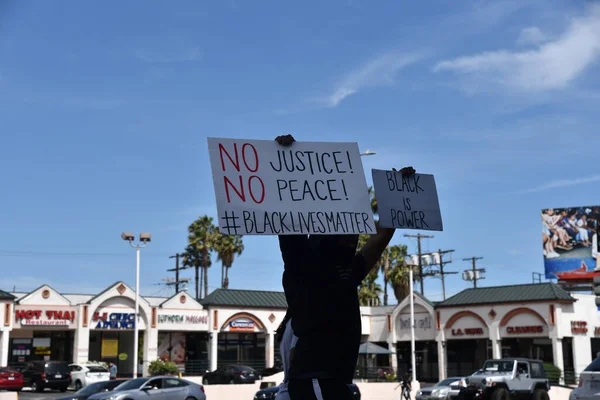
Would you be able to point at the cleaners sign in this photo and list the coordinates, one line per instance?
(114, 320)
(242, 325)
(263, 188)
(407, 202)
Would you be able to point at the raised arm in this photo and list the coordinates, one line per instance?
(371, 252)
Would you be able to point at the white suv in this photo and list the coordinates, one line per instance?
(86, 374)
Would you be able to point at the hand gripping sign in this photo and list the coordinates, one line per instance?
(407, 202)
(263, 188)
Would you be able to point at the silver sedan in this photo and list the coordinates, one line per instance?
(154, 388)
(443, 390)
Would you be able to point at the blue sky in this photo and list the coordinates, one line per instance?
(107, 106)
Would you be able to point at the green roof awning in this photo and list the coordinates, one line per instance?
(372, 348)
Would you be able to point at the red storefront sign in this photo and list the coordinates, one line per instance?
(467, 332)
(579, 327)
(45, 318)
(520, 330)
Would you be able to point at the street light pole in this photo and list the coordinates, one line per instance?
(413, 360)
(144, 239)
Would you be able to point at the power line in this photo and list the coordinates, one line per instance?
(441, 273)
(177, 268)
(474, 274)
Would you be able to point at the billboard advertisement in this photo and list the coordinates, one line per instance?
(570, 243)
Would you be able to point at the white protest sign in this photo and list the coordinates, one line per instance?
(407, 202)
(263, 188)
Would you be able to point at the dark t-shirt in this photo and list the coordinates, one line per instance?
(321, 289)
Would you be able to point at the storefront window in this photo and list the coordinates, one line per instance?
(115, 346)
(242, 349)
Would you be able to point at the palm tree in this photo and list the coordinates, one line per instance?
(202, 238)
(227, 247)
(369, 290)
(397, 274)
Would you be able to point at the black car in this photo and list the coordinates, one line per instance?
(270, 393)
(83, 394)
(39, 375)
(230, 374)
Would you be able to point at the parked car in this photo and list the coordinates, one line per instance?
(230, 374)
(589, 383)
(156, 387)
(271, 393)
(85, 374)
(40, 375)
(10, 379)
(93, 388)
(441, 390)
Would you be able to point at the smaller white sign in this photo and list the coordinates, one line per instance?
(407, 202)
(40, 322)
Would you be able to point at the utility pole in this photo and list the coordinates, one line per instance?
(443, 274)
(420, 263)
(177, 268)
(477, 272)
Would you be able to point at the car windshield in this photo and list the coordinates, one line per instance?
(97, 368)
(132, 384)
(446, 382)
(93, 388)
(498, 366)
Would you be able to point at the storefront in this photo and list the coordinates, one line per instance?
(242, 327)
(467, 343)
(43, 328)
(6, 311)
(426, 346)
(183, 334)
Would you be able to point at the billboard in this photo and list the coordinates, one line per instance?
(570, 243)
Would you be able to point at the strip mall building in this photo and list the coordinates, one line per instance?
(453, 338)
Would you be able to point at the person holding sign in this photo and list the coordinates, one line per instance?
(320, 280)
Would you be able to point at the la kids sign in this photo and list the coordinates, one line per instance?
(263, 188)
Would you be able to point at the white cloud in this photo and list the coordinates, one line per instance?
(532, 35)
(380, 71)
(553, 65)
(563, 183)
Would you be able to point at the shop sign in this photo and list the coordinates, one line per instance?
(579, 327)
(114, 320)
(45, 318)
(423, 323)
(42, 351)
(241, 325)
(520, 330)
(467, 332)
(182, 319)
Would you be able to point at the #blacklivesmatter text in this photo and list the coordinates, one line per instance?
(406, 217)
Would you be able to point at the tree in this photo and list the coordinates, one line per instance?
(398, 272)
(227, 247)
(202, 239)
(370, 290)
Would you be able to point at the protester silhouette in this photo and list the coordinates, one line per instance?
(320, 281)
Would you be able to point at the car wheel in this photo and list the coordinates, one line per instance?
(35, 387)
(540, 394)
(501, 394)
(78, 386)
